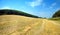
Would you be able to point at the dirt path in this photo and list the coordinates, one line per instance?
(47, 27)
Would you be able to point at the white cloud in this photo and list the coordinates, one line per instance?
(5, 7)
(52, 5)
(35, 3)
(8, 7)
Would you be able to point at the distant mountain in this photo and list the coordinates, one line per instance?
(57, 14)
(15, 12)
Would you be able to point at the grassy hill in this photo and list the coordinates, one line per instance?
(22, 25)
(16, 12)
(57, 14)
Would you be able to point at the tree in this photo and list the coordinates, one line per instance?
(15, 12)
(57, 14)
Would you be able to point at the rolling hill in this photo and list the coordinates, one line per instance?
(56, 14)
(16, 12)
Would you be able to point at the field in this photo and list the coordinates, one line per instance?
(21, 25)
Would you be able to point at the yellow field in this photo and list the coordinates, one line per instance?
(21, 25)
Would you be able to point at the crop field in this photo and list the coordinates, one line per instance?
(21, 25)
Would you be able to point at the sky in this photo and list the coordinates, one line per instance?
(41, 8)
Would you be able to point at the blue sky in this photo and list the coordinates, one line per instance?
(41, 8)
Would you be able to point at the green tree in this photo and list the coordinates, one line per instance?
(16, 12)
(56, 14)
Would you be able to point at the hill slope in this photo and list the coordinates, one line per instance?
(21, 25)
(57, 14)
(16, 12)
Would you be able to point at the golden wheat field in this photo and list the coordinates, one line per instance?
(21, 25)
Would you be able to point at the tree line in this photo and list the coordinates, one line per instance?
(16, 12)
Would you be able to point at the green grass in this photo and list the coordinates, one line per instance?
(56, 19)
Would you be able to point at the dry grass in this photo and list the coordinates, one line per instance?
(21, 25)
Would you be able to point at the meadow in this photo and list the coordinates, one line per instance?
(22, 25)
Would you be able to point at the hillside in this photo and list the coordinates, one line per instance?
(56, 14)
(16, 12)
(22, 25)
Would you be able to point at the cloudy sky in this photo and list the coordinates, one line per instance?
(41, 8)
